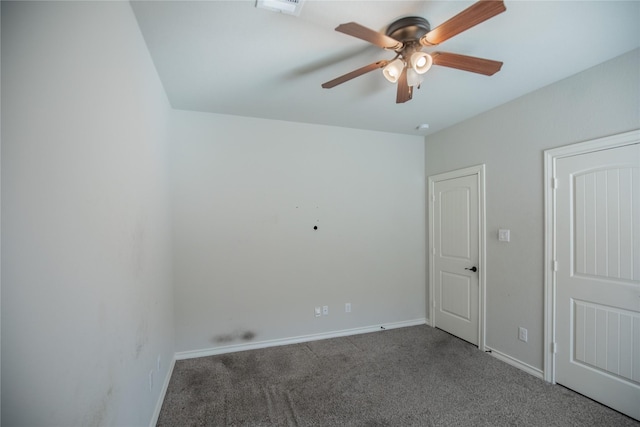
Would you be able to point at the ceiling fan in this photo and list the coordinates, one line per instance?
(407, 36)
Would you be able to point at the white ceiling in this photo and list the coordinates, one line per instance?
(230, 57)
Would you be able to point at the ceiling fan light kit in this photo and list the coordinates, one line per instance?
(393, 70)
(413, 78)
(408, 36)
(420, 62)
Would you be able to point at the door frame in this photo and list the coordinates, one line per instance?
(550, 254)
(479, 171)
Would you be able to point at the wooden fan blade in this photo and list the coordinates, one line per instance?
(466, 63)
(354, 74)
(470, 17)
(405, 92)
(367, 34)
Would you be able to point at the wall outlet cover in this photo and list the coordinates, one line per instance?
(522, 334)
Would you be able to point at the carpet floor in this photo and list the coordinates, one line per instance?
(415, 376)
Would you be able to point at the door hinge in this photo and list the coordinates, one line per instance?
(434, 303)
(554, 348)
(554, 183)
(554, 265)
(433, 251)
(433, 197)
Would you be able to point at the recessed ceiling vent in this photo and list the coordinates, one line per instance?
(289, 7)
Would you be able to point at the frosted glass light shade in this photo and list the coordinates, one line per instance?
(420, 62)
(413, 78)
(393, 70)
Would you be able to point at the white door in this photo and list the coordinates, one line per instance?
(455, 262)
(598, 276)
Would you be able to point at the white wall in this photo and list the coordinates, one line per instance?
(86, 265)
(87, 299)
(248, 265)
(510, 140)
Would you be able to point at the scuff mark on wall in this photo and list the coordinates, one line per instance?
(248, 336)
(223, 338)
(142, 337)
(235, 336)
(100, 413)
(133, 241)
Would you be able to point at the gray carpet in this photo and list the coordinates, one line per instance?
(416, 376)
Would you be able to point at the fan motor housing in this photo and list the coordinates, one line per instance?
(408, 29)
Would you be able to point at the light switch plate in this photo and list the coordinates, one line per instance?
(504, 235)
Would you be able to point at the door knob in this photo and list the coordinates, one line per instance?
(474, 269)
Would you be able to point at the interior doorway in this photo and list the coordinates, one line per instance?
(593, 283)
(457, 254)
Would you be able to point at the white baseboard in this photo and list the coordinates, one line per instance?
(163, 392)
(295, 340)
(517, 363)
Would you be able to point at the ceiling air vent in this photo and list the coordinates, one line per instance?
(290, 7)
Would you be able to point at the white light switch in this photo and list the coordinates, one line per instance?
(504, 235)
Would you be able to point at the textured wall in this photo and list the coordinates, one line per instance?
(249, 265)
(86, 266)
(510, 140)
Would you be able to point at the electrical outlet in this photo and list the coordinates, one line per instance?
(325, 310)
(522, 334)
(318, 311)
(151, 380)
(347, 307)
